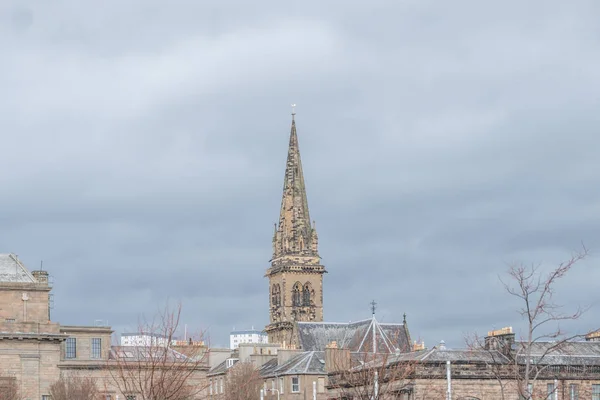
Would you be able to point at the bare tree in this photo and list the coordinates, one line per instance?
(371, 376)
(9, 390)
(535, 290)
(74, 387)
(242, 382)
(498, 364)
(157, 370)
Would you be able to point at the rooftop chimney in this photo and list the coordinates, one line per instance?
(500, 339)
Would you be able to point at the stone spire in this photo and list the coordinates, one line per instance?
(294, 235)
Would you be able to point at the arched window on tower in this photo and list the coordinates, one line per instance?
(297, 295)
(307, 294)
(275, 295)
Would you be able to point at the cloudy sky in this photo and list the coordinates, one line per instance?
(144, 145)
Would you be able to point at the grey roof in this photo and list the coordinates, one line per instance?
(356, 336)
(564, 353)
(12, 270)
(141, 353)
(307, 363)
(218, 369)
(441, 355)
(268, 368)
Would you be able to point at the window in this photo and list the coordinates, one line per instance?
(573, 391)
(216, 386)
(210, 386)
(595, 392)
(276, 295)
(71, 348)
(550, 390)
(46, 397)
(221, 384)
(96, 348)
(321, 385)
(296, 296)
(296, 384)
(130, 397)
(273, 385)
(306, 294)
(108, 397)
(281, 385)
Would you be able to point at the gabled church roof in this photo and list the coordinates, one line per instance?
(355, 336)
(12, 270)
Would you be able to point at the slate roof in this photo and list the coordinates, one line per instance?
(12, 270)
(305, 363)
(356, 336)
(143, 353)
(268, 368)
(569, 353)
(457, 356)
(218, 369)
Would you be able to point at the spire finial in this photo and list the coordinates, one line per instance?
(373, 306)
(293, 111)
(404, 318)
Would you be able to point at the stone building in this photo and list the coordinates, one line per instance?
(562, 371)
(296, 274)
(30, 344)
(36, 352)
(296, 302)
(301, 372)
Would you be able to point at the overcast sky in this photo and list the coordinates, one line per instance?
(144, 145)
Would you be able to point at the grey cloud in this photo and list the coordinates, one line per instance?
(144, 147)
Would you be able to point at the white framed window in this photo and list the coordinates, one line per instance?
(96, 348)
(210, 392)
(273, 384)
(281, 385)
(296, 384)
(550, 390)
(574, 391)
(221, 384)
(46, 397)
(596, 392)
(71, 348)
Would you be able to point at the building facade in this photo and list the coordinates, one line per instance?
(250, 336)
(36, 352)
(143, 339)
(296, 274)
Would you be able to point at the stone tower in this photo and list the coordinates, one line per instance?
(295, 275)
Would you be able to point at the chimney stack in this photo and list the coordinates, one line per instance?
(501, 340)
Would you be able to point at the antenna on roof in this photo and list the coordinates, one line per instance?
(41, 265)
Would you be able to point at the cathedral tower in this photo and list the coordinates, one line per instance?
(295, 275)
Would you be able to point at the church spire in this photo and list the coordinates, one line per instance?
(294, 234)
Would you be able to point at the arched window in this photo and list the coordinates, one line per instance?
(275, 295)
(307, 294)
(296, 294)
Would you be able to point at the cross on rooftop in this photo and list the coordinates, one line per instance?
(373, 306)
